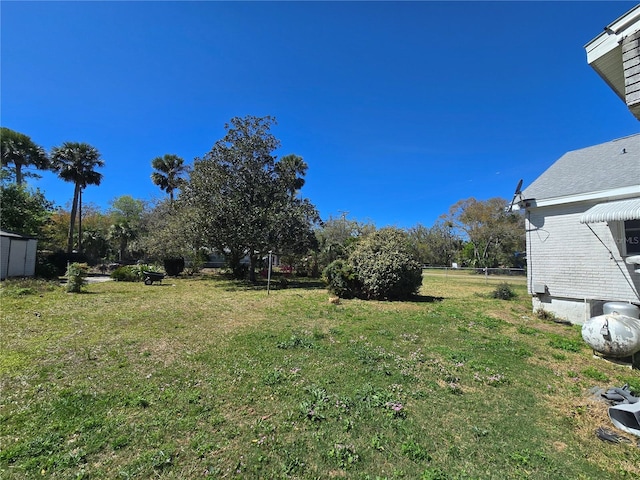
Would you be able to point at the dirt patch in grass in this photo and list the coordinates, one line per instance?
(162, 350)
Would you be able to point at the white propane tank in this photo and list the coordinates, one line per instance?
(613, 335)
(621, 308)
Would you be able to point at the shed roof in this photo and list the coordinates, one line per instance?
(4, 233)
(608, 166)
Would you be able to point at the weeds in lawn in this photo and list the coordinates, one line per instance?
(595, 374)
(344, 455)
(297, 341)
(566, 344)
(415, 452)
(27, 286)
(503, 291)
(209, 379)
(523, 329)
(543, 314)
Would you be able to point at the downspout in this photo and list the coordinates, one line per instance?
(587, 310)
(529, 257)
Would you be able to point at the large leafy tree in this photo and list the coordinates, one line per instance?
(128, 208)
(126, 214)
(436, 245)
(337, 236)
(24, 211)
(169, 174)
(171, 231)
(56, 230)
(77, 162)
(242, 197)
(20, 151)
(493, 234)
(95, 230)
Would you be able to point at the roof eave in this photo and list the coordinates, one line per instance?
(611, 194)
(604, 53)
(612, 34)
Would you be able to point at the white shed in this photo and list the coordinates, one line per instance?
(18, 255)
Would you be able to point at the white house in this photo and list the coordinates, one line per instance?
(582, 218)
(17, 255)
(615, 56)
(582, 215)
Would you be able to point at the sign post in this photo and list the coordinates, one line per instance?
(269, 274)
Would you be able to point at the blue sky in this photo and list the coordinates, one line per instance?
(399, 109)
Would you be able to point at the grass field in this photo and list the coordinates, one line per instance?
(205, 377)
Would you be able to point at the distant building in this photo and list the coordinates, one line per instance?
(582, 218)
(17, 255)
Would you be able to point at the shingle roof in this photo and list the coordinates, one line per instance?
(599, 168)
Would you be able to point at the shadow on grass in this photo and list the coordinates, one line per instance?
(308, 284)
(414, 299)
(426, 299)
(276, 284)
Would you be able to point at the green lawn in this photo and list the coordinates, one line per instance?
(203, 376)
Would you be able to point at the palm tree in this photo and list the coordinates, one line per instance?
(20, 150)
(168, 176)
(76, 162)
(121, 233)
(291, 170)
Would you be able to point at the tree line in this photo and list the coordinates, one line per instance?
(239, 200)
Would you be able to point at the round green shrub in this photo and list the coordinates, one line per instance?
(127, 273)
(503, 292)
(341, 279)
(385, 265)
(46, 270)
(76, 273)
(174, 266)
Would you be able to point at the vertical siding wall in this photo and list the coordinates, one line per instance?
(18, 257)
(30, 258)
(5, 244)
(572, 262)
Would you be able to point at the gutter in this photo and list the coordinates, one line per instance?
(632, 191)
(594, 47)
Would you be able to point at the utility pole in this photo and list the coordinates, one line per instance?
(343, 214)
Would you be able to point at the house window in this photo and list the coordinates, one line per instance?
(632, 236)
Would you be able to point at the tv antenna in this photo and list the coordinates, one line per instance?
(517, 193)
